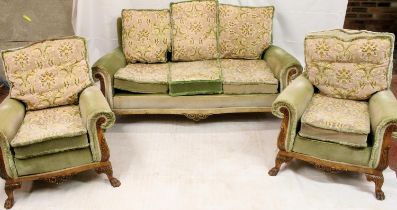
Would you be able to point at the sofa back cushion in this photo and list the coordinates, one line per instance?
(194, 30)
(244, 32)
(145, 35)
(48, 73)
(349, 64)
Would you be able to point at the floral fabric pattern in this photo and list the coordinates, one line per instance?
(46, 124)
(349, 64)
(246, 72)
(194, 28)
(49, 73)
(146, 35)
(341, 115)
(144, 73)
(195, 70)
(245, 32)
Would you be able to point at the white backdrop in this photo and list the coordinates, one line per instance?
(96, 20)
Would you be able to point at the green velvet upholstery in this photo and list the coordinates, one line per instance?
(295, 99)
(383, 112)
(185, 88)
(281, 63)
(51, 146)
(332, 151)
(136, 87)
(12, 113)
(53, 162)
(93, 106)
(107, 66)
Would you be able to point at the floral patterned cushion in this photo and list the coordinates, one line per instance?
(143, 78)
(245, 32)
(341, 115)
(349, 64)
(47, 124)
(146, 35)
(196, 77)
(194, 30)
(49, 73)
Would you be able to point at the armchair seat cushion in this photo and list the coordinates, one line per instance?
(247, 77)
(196, 77)
(50, 131)
(341, 121)
(143, 78)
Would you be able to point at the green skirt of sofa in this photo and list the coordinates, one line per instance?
(51, 146)
(198, 87)
(53, 162)
(332, 151)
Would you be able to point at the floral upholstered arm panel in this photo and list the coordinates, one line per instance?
(244, 32)
(194, 30)
(48, 73)
(146, 35)
(349, 64)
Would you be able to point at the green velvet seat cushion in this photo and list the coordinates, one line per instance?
(247, 77)
(196, 77)
(53, 162)
(332, 151)
(50, 147)
(143, 78)
(325, 117)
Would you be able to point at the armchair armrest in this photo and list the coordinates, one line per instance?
(104, 70)
(95, 111)
(290, 105)
(382, 113)
(12, 113)
(284, 66)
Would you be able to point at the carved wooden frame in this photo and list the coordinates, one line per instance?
(372, 174)
(193, 114)
(60, 176)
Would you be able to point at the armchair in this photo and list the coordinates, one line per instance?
(52, 125)
(339, 115)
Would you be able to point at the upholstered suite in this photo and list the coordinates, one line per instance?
(51, 123)
(198, 58)
(339, 115)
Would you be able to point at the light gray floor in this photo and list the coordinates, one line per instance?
(171, 163)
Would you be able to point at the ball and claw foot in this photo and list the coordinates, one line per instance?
(114, 182)
(380, 195)
(273, 171)
(378, 180)
(9, 203)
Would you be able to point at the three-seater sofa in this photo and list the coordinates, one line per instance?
(196, 59)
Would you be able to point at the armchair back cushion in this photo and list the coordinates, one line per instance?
(48, 73)
(349, 64)
(194, 30)
(244, 32)
(146, 35)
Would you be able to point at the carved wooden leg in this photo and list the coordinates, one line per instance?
(9, 189)
(280, 159)
(378, 180)
(109, 173)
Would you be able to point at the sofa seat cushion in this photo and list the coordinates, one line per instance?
(50, 147)
(194, 30)
(336, 120)
(247, 77)
(49, 125)
(48, 73)
(332, 151)
(244, 32)
(349, 64)
(143, 78)
(196, 77)
(53, 162)
(146, 35)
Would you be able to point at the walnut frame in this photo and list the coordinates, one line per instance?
(192, 114)
(372, 174)
(60, 176)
